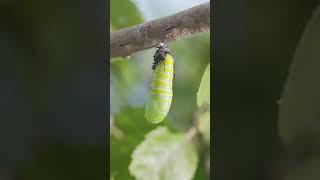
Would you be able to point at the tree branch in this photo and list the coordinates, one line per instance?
(184, 24)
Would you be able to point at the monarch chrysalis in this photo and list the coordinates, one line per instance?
(160, 97)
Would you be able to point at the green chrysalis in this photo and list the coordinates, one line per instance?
(160, 97)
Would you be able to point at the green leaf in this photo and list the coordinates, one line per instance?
(164, 155)
(123, 13)
(204, 126)
(132, 123)
(299, 112)
(203, 95)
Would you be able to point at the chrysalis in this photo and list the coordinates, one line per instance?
(160, 97)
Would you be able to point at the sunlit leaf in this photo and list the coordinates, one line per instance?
(203, 96)
(164, 155)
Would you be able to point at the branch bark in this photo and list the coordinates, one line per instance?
(181, 25)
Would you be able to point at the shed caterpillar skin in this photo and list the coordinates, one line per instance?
(160, 96)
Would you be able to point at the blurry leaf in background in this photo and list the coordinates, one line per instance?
(299, 113)
(123, 13)
(203, 95)
(164, 155)
(133, 125)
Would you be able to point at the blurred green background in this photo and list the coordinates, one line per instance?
(130, 81)
(254, 43)
(53, 90)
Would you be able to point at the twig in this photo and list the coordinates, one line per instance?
(184, 24)
(192, 132)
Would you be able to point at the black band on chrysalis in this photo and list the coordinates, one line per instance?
(160, 54)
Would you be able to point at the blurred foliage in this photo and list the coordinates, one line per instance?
(299, 109)
(123, 75)
(253, 53)
(53, 90)
(191, 58)
(123, 13)
(300, 104)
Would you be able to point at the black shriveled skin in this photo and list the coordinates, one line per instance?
(159, 55)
